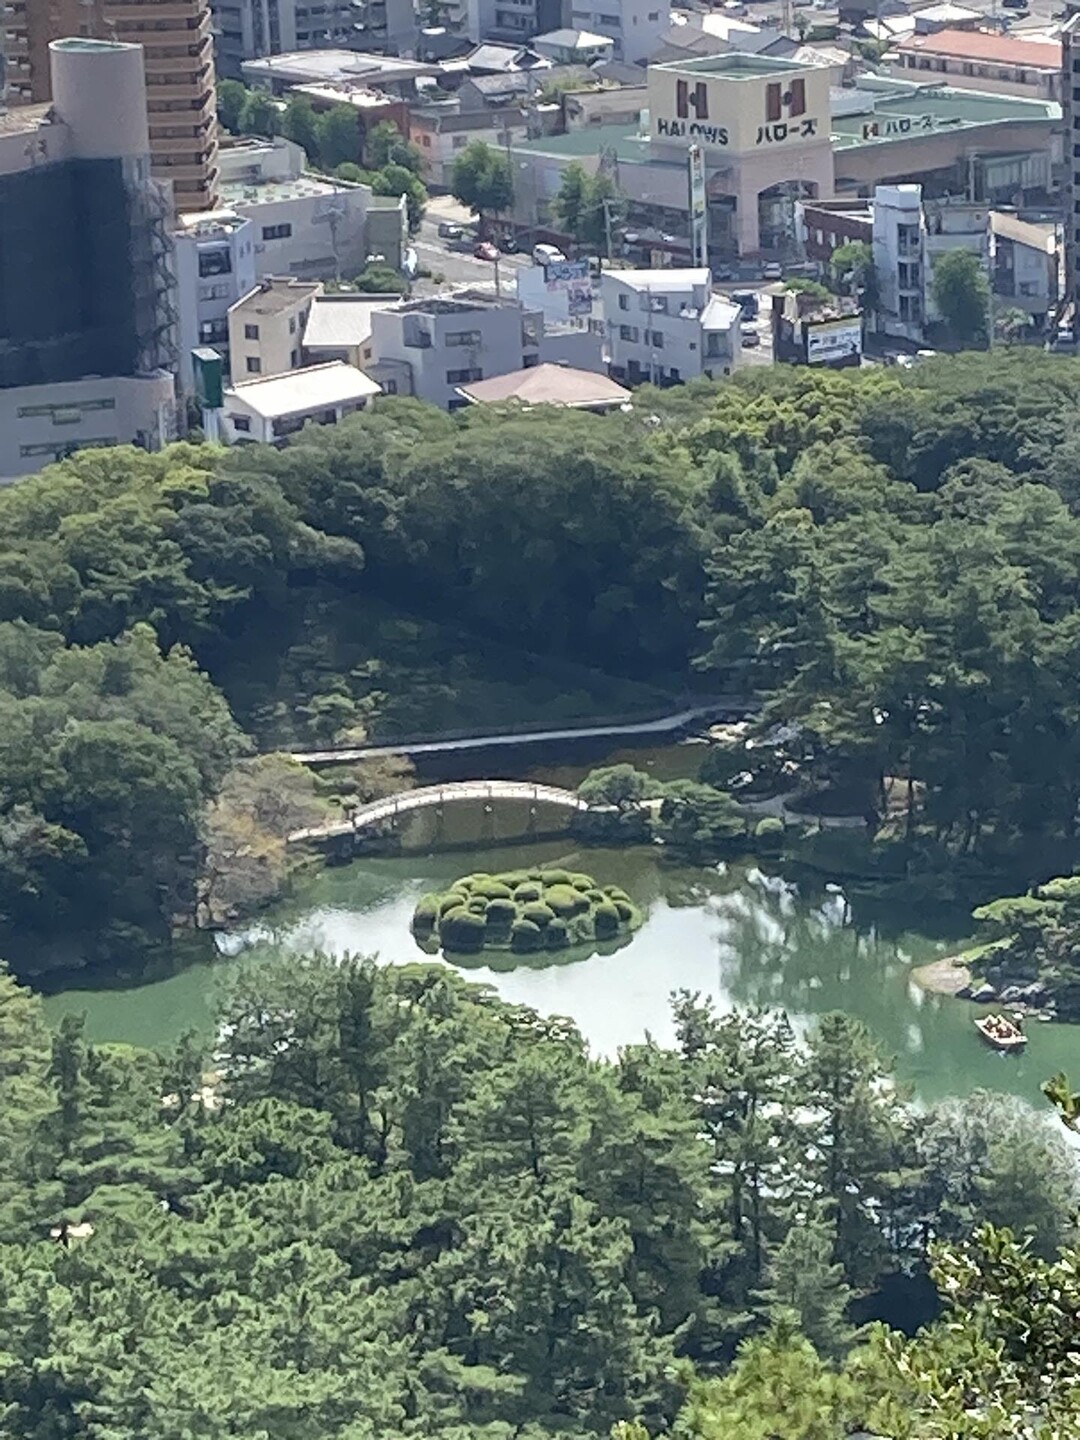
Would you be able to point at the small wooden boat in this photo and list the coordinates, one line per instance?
(1000, 1032)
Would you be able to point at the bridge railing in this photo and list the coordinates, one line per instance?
(433, 796)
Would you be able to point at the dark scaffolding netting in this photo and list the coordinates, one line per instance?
(67, 307)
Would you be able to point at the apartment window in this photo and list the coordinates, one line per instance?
(658, 304)
(276, 232)
(462, 377)
(628, 332)
(614, 22)
(292, 324)
(459, 142)
(674, 374)
(254, 365)
(389, 387)
(214, 332)
(40, 412)
(213, 292)
(463, 337)
(967, 68)
(654, 14)
(214, 262)
(656, 339)
(241, 423)
(425, 140)
(624, 302)
(251, 332)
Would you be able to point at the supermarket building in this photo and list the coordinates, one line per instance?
(773, 133)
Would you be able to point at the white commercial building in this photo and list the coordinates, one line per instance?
(305, 224)
(666, 326)
(636, 26)
(909, 237)
(429, 348)
(271, 409)
(43, 423)
(214, 260)
(247, 29)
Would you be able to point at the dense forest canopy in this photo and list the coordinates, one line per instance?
(890, 561)
(400, 1206)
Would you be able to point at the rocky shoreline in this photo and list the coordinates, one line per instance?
(951, 975)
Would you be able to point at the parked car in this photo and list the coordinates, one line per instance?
(547, 255)
(750, 337)
(747, 302)
(449, 231)
(486, 251)
(773, 270)
(1015, 4)
(508, 245)
(722, 272)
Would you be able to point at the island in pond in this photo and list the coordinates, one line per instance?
(524, 911)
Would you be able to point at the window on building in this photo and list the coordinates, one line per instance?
(254, 365)
(614, 22)
(459, 142)
(389, 387)
(425, 140)
(241, 423)
(276, 232)
(294, 359)
(292, 324)
(624, 302)
(463, 337)
(673, 374)
(967, 68)
(251, 332)
(628, 332)
(214, 332)
(654, 14)
(214, 262)
(463, 377)
(656, 339)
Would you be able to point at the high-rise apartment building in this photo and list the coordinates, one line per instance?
(178, 50)
(26, 29)
(1070, 106)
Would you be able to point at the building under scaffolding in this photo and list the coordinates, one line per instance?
(86, 288)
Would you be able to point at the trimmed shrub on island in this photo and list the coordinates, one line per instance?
(523, 911)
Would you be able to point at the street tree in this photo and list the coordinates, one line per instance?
(482, 180)
(962, 295)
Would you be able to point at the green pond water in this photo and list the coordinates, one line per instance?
(737, 933)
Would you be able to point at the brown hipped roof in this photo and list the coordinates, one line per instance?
(978, 45)
(547, 385)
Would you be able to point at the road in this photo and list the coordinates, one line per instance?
(452, 262)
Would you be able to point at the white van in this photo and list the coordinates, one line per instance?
(547, 255)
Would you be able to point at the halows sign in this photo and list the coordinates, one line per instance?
(692, 116)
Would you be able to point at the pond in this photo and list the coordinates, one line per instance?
(742, 934)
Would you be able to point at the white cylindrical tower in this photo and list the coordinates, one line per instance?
(99, 91)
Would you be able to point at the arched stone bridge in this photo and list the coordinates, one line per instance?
(432, 797)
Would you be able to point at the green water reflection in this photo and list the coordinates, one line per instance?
(735, 933)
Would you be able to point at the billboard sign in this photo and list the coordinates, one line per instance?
(832, 340)
(699, 210)
(572, 277)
